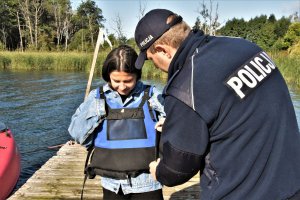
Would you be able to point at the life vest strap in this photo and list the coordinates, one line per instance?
(86, 173)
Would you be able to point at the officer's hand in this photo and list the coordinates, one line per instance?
(159, 124)
(152, 167)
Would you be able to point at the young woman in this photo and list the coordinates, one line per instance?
(118, 121)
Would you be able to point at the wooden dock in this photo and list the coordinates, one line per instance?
(62, 177)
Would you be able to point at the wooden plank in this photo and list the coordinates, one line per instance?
(61, 177)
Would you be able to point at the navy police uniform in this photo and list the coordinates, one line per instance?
(229, 115)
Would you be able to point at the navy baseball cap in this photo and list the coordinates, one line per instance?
(149, 29)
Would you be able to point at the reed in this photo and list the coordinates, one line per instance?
(151, 72)
(289, 67)
(63, 61)
(60, 61)
(74, 61)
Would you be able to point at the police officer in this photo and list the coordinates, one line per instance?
(229, 113)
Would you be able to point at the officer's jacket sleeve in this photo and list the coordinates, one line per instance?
(86, 118)
(157, 102)
(184, 140)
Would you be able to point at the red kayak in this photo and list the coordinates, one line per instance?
(9, 162)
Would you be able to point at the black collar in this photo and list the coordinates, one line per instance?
(185, 50)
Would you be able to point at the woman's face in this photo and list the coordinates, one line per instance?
(122, 82)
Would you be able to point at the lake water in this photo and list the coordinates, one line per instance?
(37, 107)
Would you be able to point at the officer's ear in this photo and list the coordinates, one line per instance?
(166, 50)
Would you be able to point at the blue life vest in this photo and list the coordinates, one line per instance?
(126, 141)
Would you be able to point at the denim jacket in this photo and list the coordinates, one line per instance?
(91, 113)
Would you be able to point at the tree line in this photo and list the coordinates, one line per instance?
(52, 25)
(48, 25)
(268, 32)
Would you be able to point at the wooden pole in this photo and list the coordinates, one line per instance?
(99, 41)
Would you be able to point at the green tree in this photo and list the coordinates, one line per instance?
(292, 35)
(9, 34)
(280, 44)
(59, 14)
(254, 27)
(78, 41)
(272, 18)
(267, 32)
(89, 17)
(235, 28)
(266, 36)
(281, 26)
(210, 19)
(197, 25)
(280, 29)
(118, 28)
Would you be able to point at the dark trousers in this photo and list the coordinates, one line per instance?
(153, 195)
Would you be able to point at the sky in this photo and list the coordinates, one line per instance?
(128, 10)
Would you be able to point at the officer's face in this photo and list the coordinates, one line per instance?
(122, 82)
(160, 59)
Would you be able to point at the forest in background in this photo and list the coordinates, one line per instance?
(52, 25)
(50, 35)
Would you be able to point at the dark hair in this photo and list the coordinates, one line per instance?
(121, 59)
